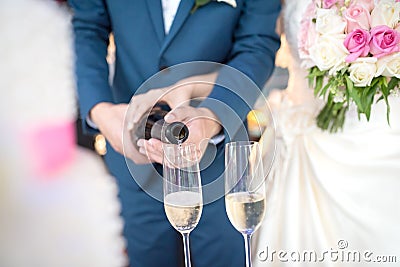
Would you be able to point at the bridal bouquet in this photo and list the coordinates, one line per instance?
(352, 51)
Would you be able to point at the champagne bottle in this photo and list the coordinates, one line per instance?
(152, 125)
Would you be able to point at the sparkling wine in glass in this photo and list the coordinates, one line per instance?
(183, 200)
(244, 189)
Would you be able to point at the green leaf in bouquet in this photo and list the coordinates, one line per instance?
(326, 87)
(311, 77)
(323, 118)
(343, 71)
(393, 83)
(383, 85)
(319, 72)
(385, 89)
(340, 117)
(367, 97)
(315, 76)
(380, 99)
(354, 93)
(385, 97)
(349, 84)
(384, 81)
(324, 115)
(318, 84)
(332, 115)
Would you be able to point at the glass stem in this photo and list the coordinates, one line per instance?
(186, 249)
(247, 247)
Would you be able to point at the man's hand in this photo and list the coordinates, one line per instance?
(109, 118)
(142, 103)
(178, 94)
(178, 97)
(202, 124)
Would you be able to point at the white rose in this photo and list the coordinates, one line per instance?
(389, 66)
(329, 22)
(386, 12)
(362, 71)
(329, 53)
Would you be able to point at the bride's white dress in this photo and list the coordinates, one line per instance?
(331, 196)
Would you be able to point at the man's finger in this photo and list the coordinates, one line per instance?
(142, 103)
(155, 146)
(140, 111)
(152, 146)
(154, 151)
(179, 114)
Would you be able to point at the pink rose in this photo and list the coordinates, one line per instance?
(310, 11)
(357, 16)
(307, 33)
(357, 43)
(331, 3)
(368, 4)
(384, 41)
(328, 3)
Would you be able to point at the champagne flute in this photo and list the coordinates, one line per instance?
(183, 200)
(244, 189)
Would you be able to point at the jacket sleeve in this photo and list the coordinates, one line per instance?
(91, 27)
(253, 54)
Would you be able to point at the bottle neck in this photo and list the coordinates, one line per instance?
(176, 132)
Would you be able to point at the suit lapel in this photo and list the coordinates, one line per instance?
(182, 13)
(156, 14)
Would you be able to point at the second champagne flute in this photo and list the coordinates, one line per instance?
(183, 201)
(244, 189)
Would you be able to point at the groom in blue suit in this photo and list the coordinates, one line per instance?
(151, 35)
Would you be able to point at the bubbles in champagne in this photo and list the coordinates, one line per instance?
(245, 210)
(183, 209)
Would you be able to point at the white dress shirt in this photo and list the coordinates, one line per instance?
(169, 11)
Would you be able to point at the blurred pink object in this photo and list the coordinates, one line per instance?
(51, 147)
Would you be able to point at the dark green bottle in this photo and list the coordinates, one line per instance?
(152, 125)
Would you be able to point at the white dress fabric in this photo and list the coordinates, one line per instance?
(336, 194)
(69, 216)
